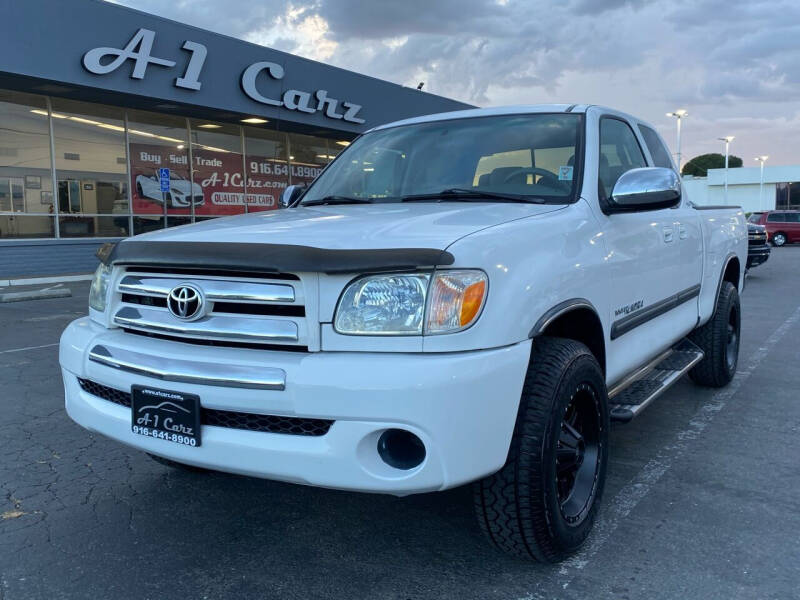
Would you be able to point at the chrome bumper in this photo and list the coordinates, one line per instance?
(174, 369)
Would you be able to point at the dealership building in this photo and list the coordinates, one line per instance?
(114, 122)
(779, 188)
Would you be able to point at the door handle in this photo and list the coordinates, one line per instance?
(667, 234)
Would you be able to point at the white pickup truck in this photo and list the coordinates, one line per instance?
(463, 297)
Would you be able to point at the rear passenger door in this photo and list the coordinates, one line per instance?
(687, 250)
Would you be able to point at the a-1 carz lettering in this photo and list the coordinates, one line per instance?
(629, 308)
(139, 50)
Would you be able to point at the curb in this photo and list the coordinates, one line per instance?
(35, 295)
(38, 280)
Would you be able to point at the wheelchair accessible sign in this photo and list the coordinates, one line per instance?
(163, 177)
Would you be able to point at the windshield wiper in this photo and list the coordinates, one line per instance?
(461, 194)
(336, 200)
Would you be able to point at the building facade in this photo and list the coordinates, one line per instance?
(140, 123)
(780, 189)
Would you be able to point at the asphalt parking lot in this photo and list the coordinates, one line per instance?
(702, 499)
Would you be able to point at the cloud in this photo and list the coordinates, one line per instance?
(732, 64)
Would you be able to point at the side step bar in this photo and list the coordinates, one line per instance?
(634, 393)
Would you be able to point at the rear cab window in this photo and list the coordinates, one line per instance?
(658, 151)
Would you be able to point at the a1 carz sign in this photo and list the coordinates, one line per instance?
(215, 184)
(139, 50)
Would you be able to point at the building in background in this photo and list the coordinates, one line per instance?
(781, 188)
(114, 122)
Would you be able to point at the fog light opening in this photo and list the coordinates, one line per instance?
(401, 449)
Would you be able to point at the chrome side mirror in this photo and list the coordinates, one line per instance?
(291, 194)
(648, 188)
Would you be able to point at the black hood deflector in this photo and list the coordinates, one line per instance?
(270, 258)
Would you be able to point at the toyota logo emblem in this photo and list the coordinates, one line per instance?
(185, 302)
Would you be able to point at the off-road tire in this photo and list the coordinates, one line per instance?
(517, 507)
(716, 370)
(177, 465)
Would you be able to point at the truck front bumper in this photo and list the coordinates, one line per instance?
(462, 406)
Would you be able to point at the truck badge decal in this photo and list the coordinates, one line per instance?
(629, 308)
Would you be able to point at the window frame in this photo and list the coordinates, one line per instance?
(601, 195)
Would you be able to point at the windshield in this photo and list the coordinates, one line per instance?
(529, 156)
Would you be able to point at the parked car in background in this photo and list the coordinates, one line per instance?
(757, 249)
(783, 226)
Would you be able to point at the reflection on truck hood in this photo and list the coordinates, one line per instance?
(357, 227)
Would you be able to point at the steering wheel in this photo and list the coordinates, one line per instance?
(536, 171)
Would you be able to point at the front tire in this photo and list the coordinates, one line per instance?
(779, 239)
(543, 502)
(719, 340)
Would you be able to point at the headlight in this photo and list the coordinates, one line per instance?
(398, 304)
(99, 290)
(383, 305)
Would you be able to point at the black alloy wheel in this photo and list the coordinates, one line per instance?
(578, 454)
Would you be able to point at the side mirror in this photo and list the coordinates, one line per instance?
(649, 188)
(291, 194)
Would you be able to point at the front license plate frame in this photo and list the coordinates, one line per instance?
(166, 414)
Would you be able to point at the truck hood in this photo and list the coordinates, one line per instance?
(355, 227)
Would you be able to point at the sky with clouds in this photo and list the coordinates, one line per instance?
(734, 65)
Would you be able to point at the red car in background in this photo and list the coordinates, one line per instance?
(783, 226)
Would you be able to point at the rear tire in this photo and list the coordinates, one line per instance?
(719, 340)
(543, 502)
(176, 465)
(779, 239)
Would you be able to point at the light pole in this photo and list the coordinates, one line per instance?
(727, 139)
(762, 160)
(679, 115)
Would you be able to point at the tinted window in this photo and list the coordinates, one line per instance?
(776, 218)
(792, 217)
(657, 150)
(619, 152)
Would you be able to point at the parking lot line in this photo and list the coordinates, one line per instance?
(28, 348)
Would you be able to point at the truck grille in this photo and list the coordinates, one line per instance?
(234, 309)
(225, 418)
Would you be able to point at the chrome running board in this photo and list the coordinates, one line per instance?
(635, 393)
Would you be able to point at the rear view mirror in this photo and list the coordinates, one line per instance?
(649, 188)
(291, 194)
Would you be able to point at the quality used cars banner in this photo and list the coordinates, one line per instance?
(218, 185)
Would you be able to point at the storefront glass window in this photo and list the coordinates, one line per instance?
(266, 161)
(217, 168)
(91, 166)
(157, 142)
(26, 185)
(308, 156)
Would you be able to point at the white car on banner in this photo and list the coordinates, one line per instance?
(182, 192)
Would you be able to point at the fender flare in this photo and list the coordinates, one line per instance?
(560, 309)
(728, 259)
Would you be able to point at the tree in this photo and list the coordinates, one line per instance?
(700, 165)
